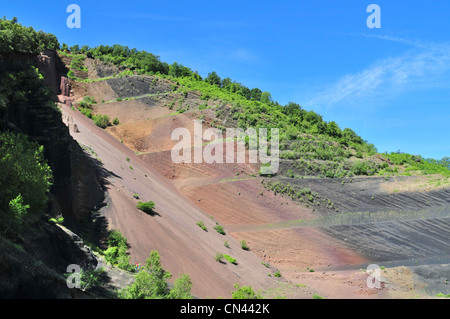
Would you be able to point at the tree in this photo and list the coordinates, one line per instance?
(266, 97)
(75, 49)
(181, 288)
(178, 70)
(24, 171)
(151, 283)
(245, 292)
(213, 79)
(333, 129)
(255, 94)
(445, 161)
(227, 83)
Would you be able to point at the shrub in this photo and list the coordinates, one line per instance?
(219, 229)
(202, 225)
(225, 243)
(230, 259)
(219, 257)
(151, 283)
(116, 254)
(86, 112)
(147, 207)
(136, 196)
(116, 121)
(25, 179)
(277, 274)
(116, 239)
(59, 220)
(101, 120)
(181, 288)
(244, 245)
(245, 292)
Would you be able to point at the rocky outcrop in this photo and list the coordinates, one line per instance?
(64, 86)
(77, 185)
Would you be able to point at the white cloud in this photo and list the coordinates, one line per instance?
(424, 66)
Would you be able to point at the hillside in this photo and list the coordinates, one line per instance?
(334, 206)
(289, 220)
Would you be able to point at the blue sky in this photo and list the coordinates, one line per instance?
(391, 85)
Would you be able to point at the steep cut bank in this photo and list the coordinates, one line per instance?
(34, 256)
(76, 183)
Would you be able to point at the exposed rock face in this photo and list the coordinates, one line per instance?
(52, 69)
(76, 183)
(64, 86)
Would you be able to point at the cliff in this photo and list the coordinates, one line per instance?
(77, 184)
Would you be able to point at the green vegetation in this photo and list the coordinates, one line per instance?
(244, 245)
(315, 296)
(313, 146)
(25, 178)
(245, 292)
(15, 38)
(416, 164)
(220, 229)
(85, 107)
(90, 278)
(101, 120)
(201, 224)
(136, 196)
(219, 257)
(147, 207)
(230, 259)
(87, 102)
(59, 220)
(298, 194)
(226, 244)
(277, 274)
(116, 254)
(151, 283)
(77, 62)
